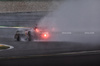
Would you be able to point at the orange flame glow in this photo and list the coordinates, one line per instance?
(45, 35)
(37, 30)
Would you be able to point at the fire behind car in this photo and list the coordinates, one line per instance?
(29, 34)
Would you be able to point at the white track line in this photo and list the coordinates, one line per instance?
(57, 54)
(69, 53)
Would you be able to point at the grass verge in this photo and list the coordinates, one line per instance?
(4, 47)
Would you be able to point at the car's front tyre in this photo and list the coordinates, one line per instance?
(17, 37)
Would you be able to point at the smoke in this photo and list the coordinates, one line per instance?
(74, 15)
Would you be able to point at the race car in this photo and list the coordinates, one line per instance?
(22, 34)
(29, 34)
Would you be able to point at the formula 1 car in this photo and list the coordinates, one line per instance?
(29, 34)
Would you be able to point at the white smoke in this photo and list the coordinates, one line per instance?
(74, 15)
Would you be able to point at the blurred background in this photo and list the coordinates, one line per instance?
(24, 12)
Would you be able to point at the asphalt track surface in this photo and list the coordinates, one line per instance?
(69, 48)
(51, 53)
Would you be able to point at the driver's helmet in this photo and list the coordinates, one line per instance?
(35, 27)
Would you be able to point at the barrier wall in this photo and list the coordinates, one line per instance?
(21, 18)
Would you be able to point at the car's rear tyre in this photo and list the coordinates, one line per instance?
(29, 36)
